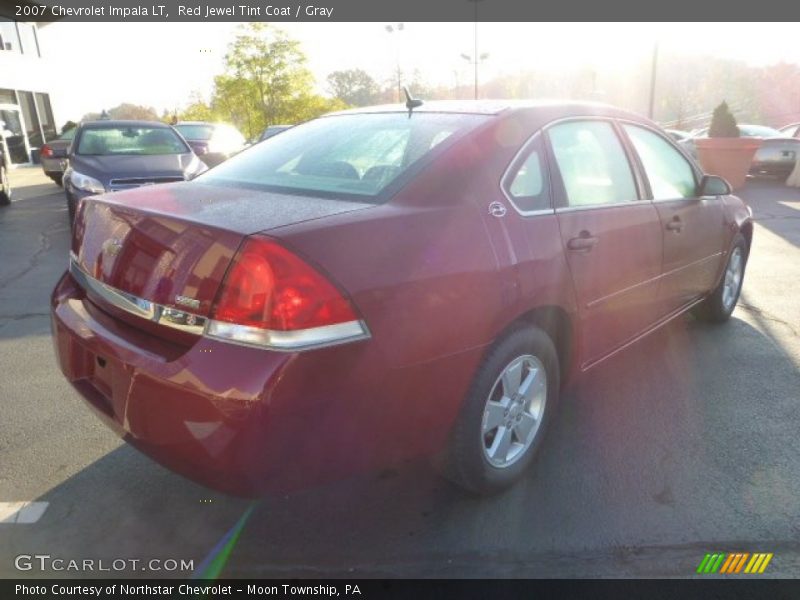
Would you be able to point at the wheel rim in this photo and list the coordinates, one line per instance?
(514, 409)
(733, 279)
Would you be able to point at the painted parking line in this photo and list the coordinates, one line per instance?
(22, 512)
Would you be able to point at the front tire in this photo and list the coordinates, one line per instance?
(5, 187)
(71, 202)
(505, 414)
(719, 305)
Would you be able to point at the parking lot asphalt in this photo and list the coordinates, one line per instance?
(685, 444)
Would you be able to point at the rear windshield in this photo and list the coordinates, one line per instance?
(346, 155)
(130, 140)
(195, 132)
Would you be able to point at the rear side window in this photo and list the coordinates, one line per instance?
(345, 155)
(592, 163)
(527, 184)
(195, 131)
(670, 175)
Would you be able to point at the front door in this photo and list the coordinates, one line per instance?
(692, 227)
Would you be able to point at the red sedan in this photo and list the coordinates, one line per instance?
(382, 284)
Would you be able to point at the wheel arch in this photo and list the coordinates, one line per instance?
(557, 323)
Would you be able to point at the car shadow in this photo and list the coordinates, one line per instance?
(656, 447)
(775, 205)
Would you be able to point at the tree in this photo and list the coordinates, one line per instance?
(265, 82)
(723, 123)
(354, 87)
(197, 110)
(126, 111)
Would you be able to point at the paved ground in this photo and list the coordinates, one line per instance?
(685, 445)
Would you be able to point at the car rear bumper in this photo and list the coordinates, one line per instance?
(772, 167)
(247, 420)
(53, 166)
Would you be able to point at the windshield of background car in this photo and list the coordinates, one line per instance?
(348, 155)
(195, 132)
(759, 131)
(129, 140)
(69, 134)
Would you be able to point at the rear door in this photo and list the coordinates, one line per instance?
(610, 235)
(692, 227)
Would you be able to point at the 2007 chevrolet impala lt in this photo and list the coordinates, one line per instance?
(382, 284)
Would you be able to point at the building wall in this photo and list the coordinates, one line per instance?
(22, 72)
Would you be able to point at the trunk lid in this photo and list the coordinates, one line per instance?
(172, 244)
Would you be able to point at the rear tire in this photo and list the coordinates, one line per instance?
(719, 305)
(5, 187)
(505, 414)
(58, 180)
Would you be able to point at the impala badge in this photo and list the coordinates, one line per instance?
(186, 301)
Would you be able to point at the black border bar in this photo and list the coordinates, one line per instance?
(416, 589)
(400, 10)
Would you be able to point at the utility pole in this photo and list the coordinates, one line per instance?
(476, 58)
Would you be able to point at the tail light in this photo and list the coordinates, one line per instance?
(46, 151)
(272, 298)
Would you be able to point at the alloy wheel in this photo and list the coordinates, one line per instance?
(514, 409)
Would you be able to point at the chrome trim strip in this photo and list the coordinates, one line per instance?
(122, 300)
(156, 313)
(255, 337)
(288, 341)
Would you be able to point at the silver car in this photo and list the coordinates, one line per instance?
(775, 157)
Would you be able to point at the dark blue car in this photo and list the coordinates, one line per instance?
(108, 156)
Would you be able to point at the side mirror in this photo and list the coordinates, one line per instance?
(713, 185)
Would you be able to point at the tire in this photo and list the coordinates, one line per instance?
(71, 208)
(468, 460)
(58, 179)
(719, 305)
(5, 187)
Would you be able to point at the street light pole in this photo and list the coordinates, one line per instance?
(651, 108)
(391, 29)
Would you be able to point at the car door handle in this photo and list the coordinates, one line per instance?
(675, 225)
(583, 243)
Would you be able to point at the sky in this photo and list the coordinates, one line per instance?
(100, 65)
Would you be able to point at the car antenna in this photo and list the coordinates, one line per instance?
(411, 103)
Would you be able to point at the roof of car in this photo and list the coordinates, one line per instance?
(493, 107)
(124, 123)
